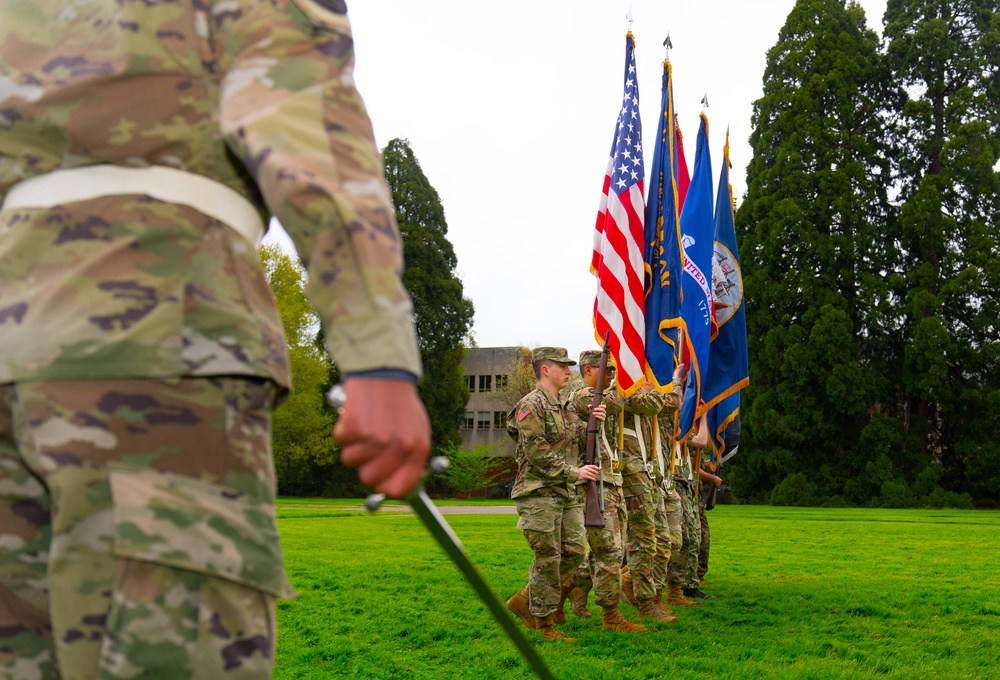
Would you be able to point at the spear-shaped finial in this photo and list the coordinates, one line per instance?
(629, 17)
(668, 45)
(704, 101)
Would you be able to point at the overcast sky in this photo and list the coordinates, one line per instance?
(510, 108)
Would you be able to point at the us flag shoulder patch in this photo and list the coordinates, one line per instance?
(523, 414)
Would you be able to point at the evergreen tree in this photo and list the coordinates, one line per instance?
(818, 308)
(944, 57)
(443, 314)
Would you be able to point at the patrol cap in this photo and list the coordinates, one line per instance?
(557, 354)
(590, 357)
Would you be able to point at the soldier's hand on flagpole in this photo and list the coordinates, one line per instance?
(680, 373)
(384, 431)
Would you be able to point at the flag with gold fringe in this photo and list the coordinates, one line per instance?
(617, 259)
(728, 369)
(663, 256)
(697, 232)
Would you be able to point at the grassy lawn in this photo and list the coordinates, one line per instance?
(802, 593)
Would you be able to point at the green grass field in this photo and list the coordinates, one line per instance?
(801, 593)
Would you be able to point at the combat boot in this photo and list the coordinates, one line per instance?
(658, 599)
(692, 593)
(578, 601)
(649, 610)
(676, 596)
(519, 605)
(613, 620)
(627, 590)
(560, 613)
(549, 633)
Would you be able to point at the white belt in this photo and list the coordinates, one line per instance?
(164, 184)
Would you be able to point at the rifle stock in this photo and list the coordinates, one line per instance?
(593, 515)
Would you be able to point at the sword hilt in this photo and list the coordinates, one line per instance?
(435, 466)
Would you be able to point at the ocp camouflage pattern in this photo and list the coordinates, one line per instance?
(138, 529)
(251, 93)
(580, 400)
(546, 432)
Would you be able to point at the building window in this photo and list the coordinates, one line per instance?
(468, 420)
(501, 382)
(471, 379)
(485, 383)
(483, 420)
(499, 420)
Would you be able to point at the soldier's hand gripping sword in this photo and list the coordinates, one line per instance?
(428, 513)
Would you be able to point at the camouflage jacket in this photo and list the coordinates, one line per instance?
(642, 406)
(547, 433)
(607, 435)
(666, 420)
(255, 94)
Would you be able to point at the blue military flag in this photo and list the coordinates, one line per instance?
(728, 370)
(697, 232)
(662, 248)
(720, 417)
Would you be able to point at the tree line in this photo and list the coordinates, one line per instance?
(306, 459)
(869, 236)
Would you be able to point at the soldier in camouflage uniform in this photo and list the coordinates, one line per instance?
(638, 475)
(603, 566)
(547, 491)
(667, 517)
(141, 352)
(682, 576)
(707, 480)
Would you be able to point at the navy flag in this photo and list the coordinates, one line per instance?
(728, 370)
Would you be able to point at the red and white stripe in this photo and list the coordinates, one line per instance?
(617, 262)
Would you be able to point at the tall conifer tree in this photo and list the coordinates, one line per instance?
(944, 57)
(443, 314)
(813, 254)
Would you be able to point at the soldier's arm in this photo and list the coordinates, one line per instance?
(644, 403)
(289, 110)
(581, 400)
(544, 459)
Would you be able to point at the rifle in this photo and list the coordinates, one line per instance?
(593, 514)
(710, 498)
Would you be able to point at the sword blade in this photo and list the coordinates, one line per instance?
(443, 534)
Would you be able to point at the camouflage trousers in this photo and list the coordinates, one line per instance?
(661, 520)
(706, 535)
(138, 530)
(669, 534)
(640, 536)
(602, 570)
(553, 527)
(683, 568)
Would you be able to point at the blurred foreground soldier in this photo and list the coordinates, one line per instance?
(549, 500)
(141, 352)
(602, 568)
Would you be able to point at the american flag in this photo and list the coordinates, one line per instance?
(617, 261)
